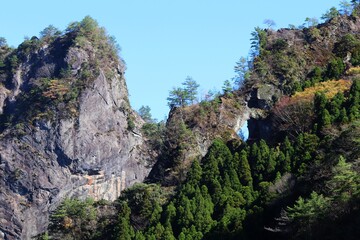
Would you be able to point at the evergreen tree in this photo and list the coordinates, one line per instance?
(184, 212)
(343, 118)
(325, 118)
(203, 211)
(195, 174)
(3, 42)
(190, 88)
(242, 70)
(330, 14)
(227, 88)
(145, 113)
(244, 169)
(345, 184)
(177, 98)
(335, 69)
(305, 212)
(50, 32)
(354, 100)
(124, 230)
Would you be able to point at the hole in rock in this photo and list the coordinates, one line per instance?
(244, 131)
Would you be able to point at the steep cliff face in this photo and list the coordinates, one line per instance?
(84, 143)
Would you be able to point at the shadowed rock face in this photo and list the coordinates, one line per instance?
(92, 153)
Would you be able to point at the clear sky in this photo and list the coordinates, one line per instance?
(164, 41)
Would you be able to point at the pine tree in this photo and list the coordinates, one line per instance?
(343, 118)
(325, 118)
(244, 169)
(346, 182)
(195, 174)
(170, 213)
(124, 230)
(203, 211)
(184, 212)
(190, 88)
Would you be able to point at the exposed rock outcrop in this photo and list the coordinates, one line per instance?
(88, 150)
(190, 132)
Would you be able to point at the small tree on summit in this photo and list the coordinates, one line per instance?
(330, 14)
(3, 42)
(190, 88)
(269, 23)
(179, 97)
(49, 32)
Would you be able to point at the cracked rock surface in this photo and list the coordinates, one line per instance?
(92, 153)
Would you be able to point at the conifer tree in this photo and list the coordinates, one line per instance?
(124, 230)
(244, 169)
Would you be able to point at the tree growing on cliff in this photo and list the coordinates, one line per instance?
(49, 32)
(242, 71)
(145, 113)
(330, 14)
(3, 42)
(180, 97)
(191, 89)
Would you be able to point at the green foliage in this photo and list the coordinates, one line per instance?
(242, 70)
(180, 97)
(3, 42)
(346, 8)
(330, 14)
(191, 88)
(305, 212)
(49, 32)
(311, 22)
(244, 169)
(144, 201)
(130, 123)
(123, 229)
(345, 184)
(155, 133)
(335, 69)
(145, 113)
(227, 88)
(258, 41)
(348, 44)
(76, 220)
(177, 98)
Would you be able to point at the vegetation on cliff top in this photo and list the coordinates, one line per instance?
(53, 86)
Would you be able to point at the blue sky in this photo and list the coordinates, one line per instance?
(164, 41)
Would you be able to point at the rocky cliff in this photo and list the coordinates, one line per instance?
(191, 130)
(67, 129)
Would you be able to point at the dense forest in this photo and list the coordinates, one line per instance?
(302, 183)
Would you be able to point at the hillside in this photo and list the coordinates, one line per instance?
(78, 163)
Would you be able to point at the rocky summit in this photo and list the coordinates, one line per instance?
(77, 138)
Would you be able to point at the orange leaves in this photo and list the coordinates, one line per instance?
(56, 89)
(329, 88)
(295, 114)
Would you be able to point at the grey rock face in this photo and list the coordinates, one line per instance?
(264, 96)
(92, 154)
